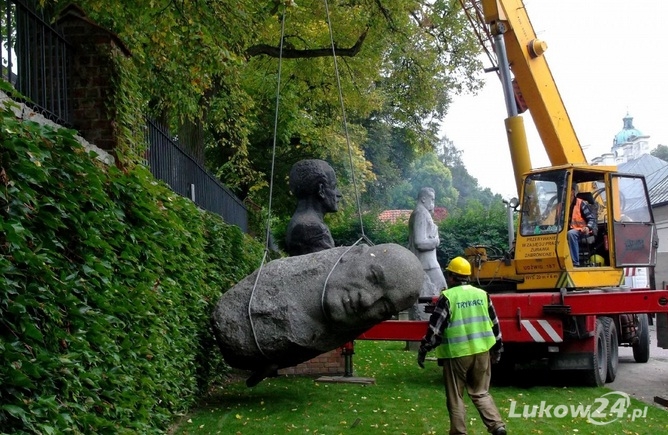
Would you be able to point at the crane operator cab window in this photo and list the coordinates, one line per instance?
(550, 199)
(620, 229)
(542, 207)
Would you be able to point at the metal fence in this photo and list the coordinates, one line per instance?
(35, 58)
(169, 163)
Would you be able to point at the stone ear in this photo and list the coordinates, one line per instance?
(321, 190)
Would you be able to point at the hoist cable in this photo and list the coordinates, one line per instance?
(273, 160)
(273, 149)
(345, 124)
(271, 183)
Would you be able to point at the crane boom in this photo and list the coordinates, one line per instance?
(532, 75)
(559, 291)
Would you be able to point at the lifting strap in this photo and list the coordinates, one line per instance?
(271, 180)
(267, 237)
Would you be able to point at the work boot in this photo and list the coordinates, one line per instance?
(500, 431)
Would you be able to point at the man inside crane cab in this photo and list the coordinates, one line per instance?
(582, 224)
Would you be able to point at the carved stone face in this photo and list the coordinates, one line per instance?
(428, 200)
(330, 194)
(370, 284)
(305, 305)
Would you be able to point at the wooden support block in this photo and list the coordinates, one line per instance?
(346, 380)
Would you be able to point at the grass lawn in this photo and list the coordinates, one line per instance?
(405, 400)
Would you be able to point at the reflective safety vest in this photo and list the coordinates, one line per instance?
(470, 329)
(577, 220)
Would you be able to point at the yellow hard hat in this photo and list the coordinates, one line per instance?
(460, 266)
(597, 260)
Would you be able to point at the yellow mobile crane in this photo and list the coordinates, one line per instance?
(575, 317)
(593, 314)
(625, 235)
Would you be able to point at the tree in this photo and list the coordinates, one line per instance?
(390, 80)
(661, 152)
(209, 68)
(466, 185)
(425, 171)
(387, 149)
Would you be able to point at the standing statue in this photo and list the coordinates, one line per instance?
(296, 308)
(423, 240)
(313, 182)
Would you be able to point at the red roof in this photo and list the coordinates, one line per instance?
(395, 215)
(440, 213)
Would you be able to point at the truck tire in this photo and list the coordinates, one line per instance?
(595, 376)
(641, 347)
(612, 343)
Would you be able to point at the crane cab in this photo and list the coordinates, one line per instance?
(623, 233)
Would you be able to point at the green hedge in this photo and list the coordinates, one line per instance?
(108, 280)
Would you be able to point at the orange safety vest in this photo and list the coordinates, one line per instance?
(577, 220)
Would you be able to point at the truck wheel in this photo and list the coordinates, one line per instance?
(612, 344)
(641, 347)
(595, 377)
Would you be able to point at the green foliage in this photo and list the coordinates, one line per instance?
(660, 152)
(388, 150)
(108, 281)
(200, 65)
(473, 225)
(401, 179)
(348, 230)
(130, 110)
(426, 171)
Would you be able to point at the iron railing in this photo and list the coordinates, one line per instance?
(35, 58)
(169, 163)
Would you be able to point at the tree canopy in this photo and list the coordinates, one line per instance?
(660, 152)
(210, 70)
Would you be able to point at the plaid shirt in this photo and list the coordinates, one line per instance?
(440, 319)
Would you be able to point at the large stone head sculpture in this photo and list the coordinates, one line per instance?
(300, 307)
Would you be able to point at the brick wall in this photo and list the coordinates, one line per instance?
(331, 363)
(93, 77)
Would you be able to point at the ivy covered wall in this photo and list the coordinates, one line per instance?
(107, 282)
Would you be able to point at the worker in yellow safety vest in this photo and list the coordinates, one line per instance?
(465, 333)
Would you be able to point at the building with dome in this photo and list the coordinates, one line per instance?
(630, 152)
(627, 145)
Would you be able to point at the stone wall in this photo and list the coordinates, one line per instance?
(24, 112)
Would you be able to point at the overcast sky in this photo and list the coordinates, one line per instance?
(607, 58)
